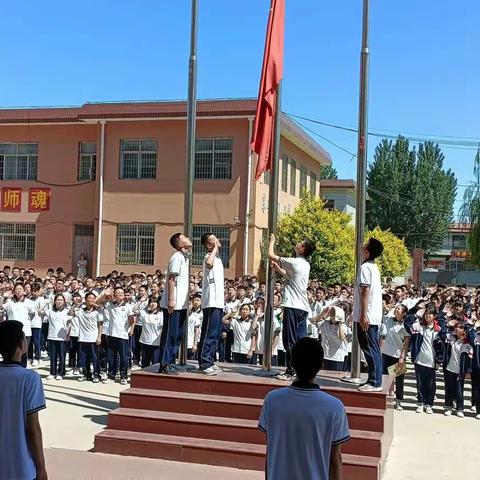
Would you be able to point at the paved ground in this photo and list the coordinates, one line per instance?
(424, 446)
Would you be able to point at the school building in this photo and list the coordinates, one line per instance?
(108, 179)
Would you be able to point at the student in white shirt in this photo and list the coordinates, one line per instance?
(174, 303)
(141, 301)
(58, 317)
(72, 344)
(395, 341)
(295, 304)
(368, 313)
(18, 307)
(195, 319)
(36, 342)
(241, 325)
(304, 426)
(21, 398)
(90, 321)
(120, 318)
(278, 351)
(258, 325)
(213, 304)
(152, 322)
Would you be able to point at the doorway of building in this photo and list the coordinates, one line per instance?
(83, 243)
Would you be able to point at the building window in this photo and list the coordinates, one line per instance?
(213, 158)
(87, 160)
(293, 176)
(313, 183)
(284, 184)
(459, 242)
(84, 230)
(135, 244)
(18, 161)
(222, 233)
(138, 159)
(17, 241)
(303, 180)
(329, 204)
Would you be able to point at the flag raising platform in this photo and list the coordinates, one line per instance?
(213, 420)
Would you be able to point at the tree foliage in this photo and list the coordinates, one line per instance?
(470, 213)
(334, 237)
(410, 192)
(327, 172)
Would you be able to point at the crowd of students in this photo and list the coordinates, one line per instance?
(99, 329)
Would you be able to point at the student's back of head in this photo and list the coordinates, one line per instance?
(11, 338)
(307, 358)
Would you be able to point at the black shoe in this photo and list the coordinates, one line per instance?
(169, 370)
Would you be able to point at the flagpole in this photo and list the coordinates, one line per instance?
(190, 151)
(272, 228)
(361, 179)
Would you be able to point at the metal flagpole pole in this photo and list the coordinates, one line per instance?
(272, 228)
(361, 179)
(190, 153)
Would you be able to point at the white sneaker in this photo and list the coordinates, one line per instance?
(419, 409)
(123, 381)
(95, 380)
(76, 372)
(69, 374)
(58, 377)
(107, 380)
(473, 408)
(35, 363)
(429, 410)
(478, 417)
(369, 388)
(398, 406)
(448, 412)
(210, 371)
(460, 414)
(81, 379)
(50, 377)
(103, 376)
(285, 376)
(217, 368)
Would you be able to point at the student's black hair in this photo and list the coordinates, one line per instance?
(308, 248)
(307, 358)
(320, 289)
(403, 307)
(90, 294)
(119, 288)
(374, 248)
(11, 337)
(175, 240)
(205, 238)
(434, 297)
(197, 295)
(54, 307)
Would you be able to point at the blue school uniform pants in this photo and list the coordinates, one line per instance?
(34, 347)
(150, 354)
(211, 330)
(294, 328)
(454, 384)
(89, 356)
(426, 385)
(171, 337)
(117, 348)
(369, 342)
(56, 349)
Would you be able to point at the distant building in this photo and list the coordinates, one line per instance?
(339, 195)
(52, 181)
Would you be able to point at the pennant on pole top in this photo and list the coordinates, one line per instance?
(272, 73)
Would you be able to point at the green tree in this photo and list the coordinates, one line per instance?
(470, 213)
(327, 172)
(331, 232)
(334, 237)
(395, 258)
(410, 193)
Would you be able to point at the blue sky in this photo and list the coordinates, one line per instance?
(424, 60)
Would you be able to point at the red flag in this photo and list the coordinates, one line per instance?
(272, 72)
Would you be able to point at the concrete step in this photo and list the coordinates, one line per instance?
(236, 385)
(366, 443)
(359, 418)
(213, 452)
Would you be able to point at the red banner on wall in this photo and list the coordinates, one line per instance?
(39, 199)
(11, 199)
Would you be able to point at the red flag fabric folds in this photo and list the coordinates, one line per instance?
(272, 73)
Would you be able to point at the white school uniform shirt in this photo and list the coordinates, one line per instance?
(312, 330)
(426, 356)
(88, 322)
(302, 425)
(213, 290)
(57, 324)
(232, 306)
(458, 347)
(178, 267)
(394, 333)
(277, 313)
(117, 318)
(242, 335)
(369, 275)
(152, 327)
(22, 312)
(195, 320)
(40, 304)
(295, 288)
(75, 327)
(334, 348)
(260, 333)
(139, 306)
